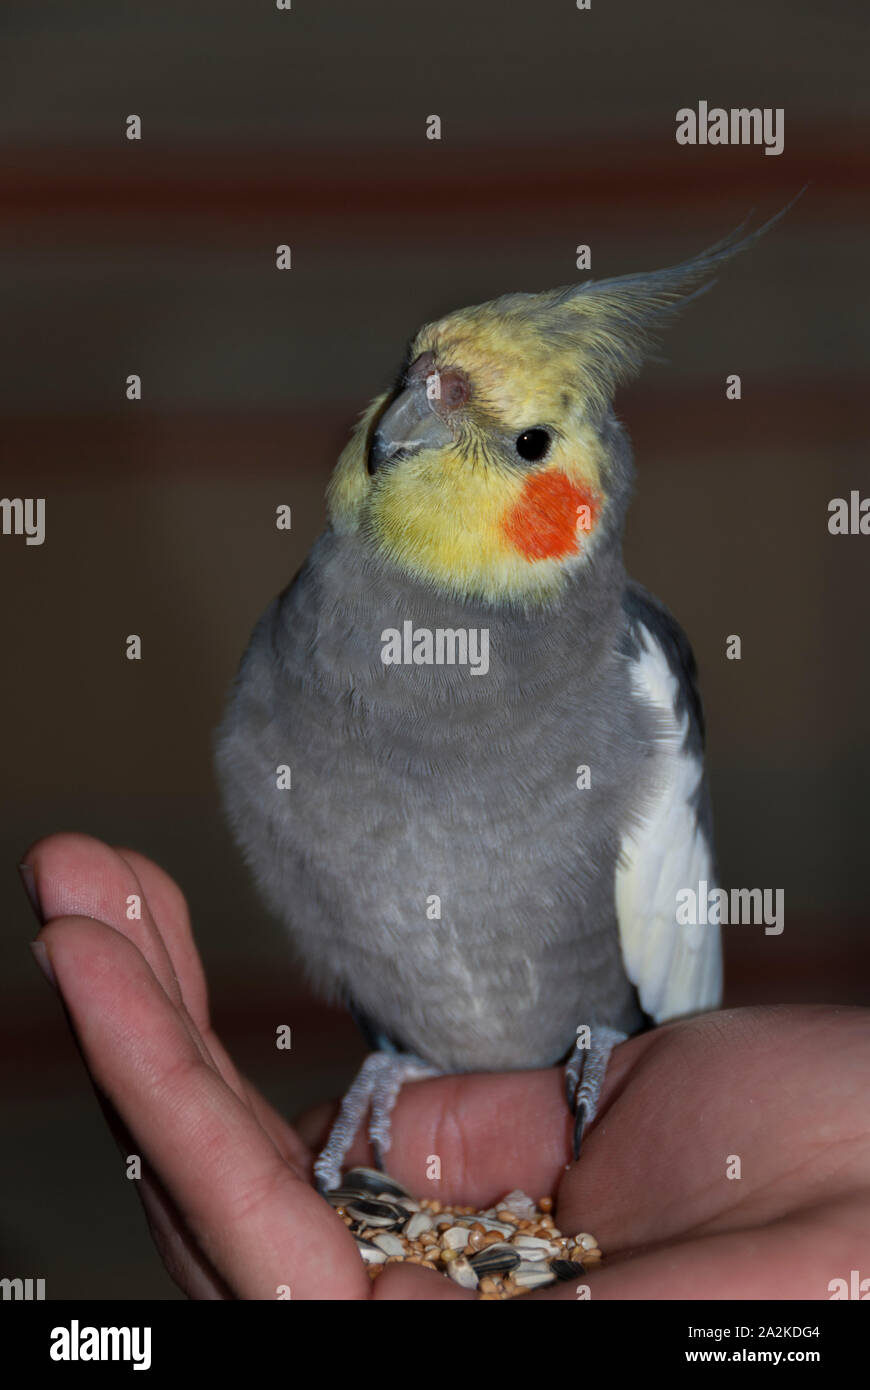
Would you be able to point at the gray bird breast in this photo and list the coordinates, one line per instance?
(414, 785)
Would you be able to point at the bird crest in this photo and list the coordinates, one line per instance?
(489, 469)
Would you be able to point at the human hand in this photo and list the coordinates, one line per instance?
(226, 1181)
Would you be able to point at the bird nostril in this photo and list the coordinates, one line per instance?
(421, 367)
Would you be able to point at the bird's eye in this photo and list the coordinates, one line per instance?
(532, 445)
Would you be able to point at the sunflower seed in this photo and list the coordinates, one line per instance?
(370, 1253)
(518, 1203)
(456, 1238)
(566, 1269)
(532, 1276)
(374, 1213)
(534, 1248)
(497, 1258)
(461, 1273)
(419, 1222)
(390, 1244)
(370, 1183)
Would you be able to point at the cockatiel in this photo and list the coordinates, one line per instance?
(493, 783)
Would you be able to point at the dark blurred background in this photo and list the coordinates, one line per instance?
(157, 257)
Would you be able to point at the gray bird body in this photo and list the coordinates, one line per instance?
(413, 781)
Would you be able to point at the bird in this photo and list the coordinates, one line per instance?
(463, 756)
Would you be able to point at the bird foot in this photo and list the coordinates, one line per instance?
(377, 1085)
(584, 1077)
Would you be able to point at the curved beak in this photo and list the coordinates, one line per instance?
(407, 426)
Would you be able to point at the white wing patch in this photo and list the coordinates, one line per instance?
(675, 969)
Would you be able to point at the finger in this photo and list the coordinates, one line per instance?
(168, 908)
(76, 873)
(806, 1256)
(85, 873)
(257, 1223)
(766, 1087)
(184, 1263)
(78, 876)
(283, 1135)
(472, 1139)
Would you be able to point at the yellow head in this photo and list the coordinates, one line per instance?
(488, 471)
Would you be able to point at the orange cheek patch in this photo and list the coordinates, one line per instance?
(546, 523)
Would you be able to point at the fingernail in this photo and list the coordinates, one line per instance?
(40, 955)
(29, 881)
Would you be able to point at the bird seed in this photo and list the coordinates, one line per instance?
(503, 1252)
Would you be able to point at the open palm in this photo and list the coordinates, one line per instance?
(776, 1095)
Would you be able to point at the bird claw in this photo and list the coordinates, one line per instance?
(377, 1085)
(584, 1076)
(579, 1126)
